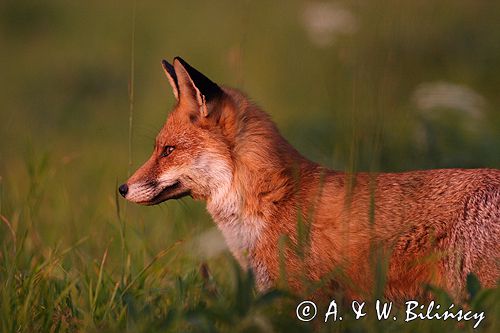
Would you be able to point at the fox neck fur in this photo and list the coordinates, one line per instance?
(263, 178)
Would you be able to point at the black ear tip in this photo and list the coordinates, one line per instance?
(182, 61)
(165, 64)
(168, 68)
(207, 88)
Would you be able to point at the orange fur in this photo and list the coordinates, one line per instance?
(432, 226)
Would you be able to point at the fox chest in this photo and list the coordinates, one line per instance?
(242, 233)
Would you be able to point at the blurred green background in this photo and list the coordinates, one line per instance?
(355, 85)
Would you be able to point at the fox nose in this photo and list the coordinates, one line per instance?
(123, 189)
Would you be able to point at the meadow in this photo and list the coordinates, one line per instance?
(354, 85)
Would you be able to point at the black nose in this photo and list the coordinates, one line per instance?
(123, 189)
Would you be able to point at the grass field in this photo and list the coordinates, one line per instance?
(361, 85)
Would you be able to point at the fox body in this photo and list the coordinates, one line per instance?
(433, 227)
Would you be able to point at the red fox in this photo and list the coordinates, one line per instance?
(435, 227)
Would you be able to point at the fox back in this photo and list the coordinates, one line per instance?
(430, 227)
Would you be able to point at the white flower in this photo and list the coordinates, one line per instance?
(323, 21)
(209, 244)
(445, 95)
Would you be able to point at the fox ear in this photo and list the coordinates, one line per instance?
(171, 76)
(194, 86)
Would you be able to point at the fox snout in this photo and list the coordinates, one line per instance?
(123, 189)
(153, 192)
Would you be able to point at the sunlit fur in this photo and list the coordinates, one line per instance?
(430, 226)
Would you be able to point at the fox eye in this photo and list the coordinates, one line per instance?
(167, 150)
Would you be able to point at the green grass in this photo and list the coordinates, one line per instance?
(75, 258)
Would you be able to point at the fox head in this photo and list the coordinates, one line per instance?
(192, 154)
